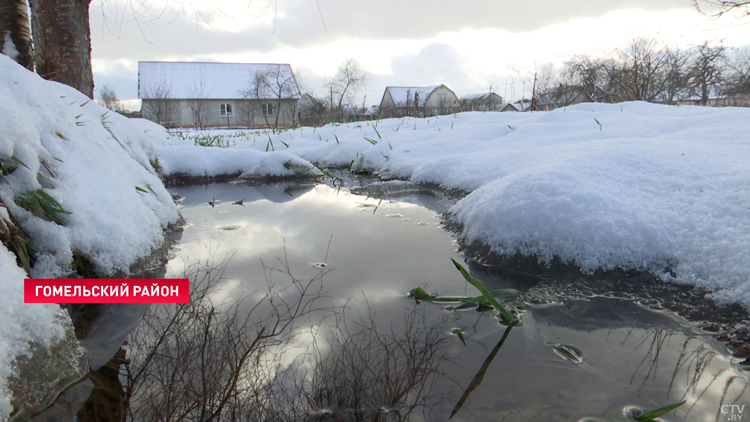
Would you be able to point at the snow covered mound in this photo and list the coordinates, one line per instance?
(632, 185)
(97, 165)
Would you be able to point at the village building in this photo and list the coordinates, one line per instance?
(486, 102)
(199, 94)
(490, 101)
(418, 101)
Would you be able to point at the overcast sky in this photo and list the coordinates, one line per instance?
(469, 45)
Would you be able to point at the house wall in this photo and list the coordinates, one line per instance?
(433, 103)
(387, 101)
(207, 112)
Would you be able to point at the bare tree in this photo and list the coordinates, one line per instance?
(637, 69)
(108, 96)
(197, 93)
(676, 84)
(212, 362)
(718, 8)
(545, 87)
(738, 64)
(275, 83)
(586, 75)
(344, 85)
(205, 361)
(159, 105)
(707, 70)
(15, 32)
(367, 373)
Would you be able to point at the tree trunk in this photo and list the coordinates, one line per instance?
(15, 32)
(62, 42)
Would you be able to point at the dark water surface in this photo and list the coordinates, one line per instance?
(569, 361)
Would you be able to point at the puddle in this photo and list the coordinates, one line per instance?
(594, 357)
(363, 350)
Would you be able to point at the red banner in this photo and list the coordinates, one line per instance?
(107, 290)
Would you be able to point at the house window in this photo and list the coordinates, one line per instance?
(226, 110)
(267, 109)
(442, 97)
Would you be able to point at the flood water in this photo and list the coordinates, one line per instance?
(306, 316)
(570, 360)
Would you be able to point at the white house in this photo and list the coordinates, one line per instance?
(414, 101)
(203, 94)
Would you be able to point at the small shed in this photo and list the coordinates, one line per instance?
(416, 101)
(204, 94)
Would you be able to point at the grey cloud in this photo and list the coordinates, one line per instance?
(299, 23)
(395, 19)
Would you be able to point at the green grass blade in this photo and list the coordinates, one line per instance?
(460, 334)
(18, 160)
(658, 412)
(512, 320)
(420, 293)
(372, 141)
(497, 294)
(140, 189)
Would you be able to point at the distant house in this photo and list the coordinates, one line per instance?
(484, 102)
(565, 95)
(738, 99)
(194, 94)
(415, 101)
(523, 105)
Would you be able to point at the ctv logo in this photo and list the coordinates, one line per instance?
(732, 412)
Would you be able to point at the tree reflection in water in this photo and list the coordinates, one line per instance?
(207, 362)
(366, 373)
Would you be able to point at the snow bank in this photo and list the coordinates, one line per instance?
(198, 161)
(94, 161)
(91, 161)
(633, 185)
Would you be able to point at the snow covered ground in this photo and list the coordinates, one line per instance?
(631, 185)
